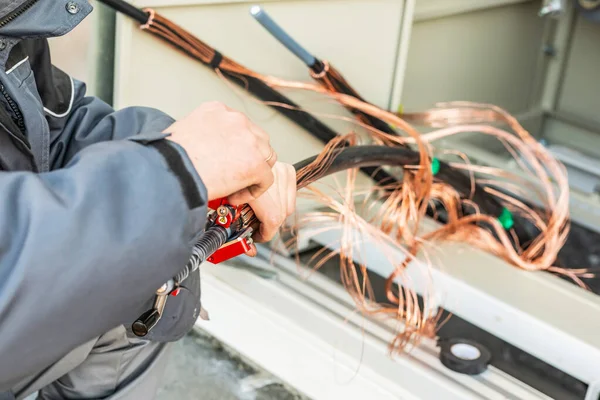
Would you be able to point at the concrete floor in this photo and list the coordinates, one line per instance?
(200, 368)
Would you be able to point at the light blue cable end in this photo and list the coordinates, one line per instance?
(271, 26)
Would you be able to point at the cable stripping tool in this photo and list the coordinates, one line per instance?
(237, 220)
(226, 223)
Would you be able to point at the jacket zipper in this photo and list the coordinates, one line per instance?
(20, 10)
(14, 107)
(20, 120)
(20, 136)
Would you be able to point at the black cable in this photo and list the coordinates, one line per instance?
(364, 156)
(127, 9)
(377, 156)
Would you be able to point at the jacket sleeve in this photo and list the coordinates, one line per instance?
(84, 246)
(88, 120)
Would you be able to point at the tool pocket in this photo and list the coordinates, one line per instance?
(179, 315)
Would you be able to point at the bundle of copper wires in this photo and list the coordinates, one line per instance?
(395, 223)
(399, 213)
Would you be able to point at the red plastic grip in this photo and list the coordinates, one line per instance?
(216, 203)
(230, 250)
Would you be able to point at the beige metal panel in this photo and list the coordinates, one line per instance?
(488, 56)
(359, 37)
(581, 87)
(428, 9)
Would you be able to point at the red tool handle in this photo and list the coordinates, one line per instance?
(230, 250)
(216, 203)
(226, 215)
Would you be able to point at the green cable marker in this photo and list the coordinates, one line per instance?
(435, 166)
(506, 219)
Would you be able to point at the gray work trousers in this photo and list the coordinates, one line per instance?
(112, 366)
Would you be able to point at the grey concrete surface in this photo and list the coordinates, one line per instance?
(202, 369)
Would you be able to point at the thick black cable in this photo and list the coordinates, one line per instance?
(363, 156)
(130, 10)
(377, 156)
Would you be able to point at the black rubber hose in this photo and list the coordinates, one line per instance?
(377, 156)
(214, 237)
(364, 156)
(127, 9)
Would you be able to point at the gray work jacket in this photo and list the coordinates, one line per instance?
(97, 209)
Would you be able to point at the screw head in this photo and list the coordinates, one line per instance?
(222, 211)
(72, 7)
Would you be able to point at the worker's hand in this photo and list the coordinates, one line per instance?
(232, 155)
(276, 204)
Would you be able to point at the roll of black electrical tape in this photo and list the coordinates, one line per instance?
(589, 5)
(589, 9)
(464, 356)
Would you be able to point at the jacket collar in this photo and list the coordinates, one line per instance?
(40, 18)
